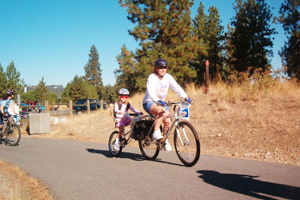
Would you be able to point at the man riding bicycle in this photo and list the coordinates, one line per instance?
(158, 84)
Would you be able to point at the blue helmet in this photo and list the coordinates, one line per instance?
(161, 63)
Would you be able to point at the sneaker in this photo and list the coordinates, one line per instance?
(116, 146)
(167, 146)
(157, 135)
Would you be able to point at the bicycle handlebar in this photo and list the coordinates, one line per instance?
(170, 103)
(133, 114)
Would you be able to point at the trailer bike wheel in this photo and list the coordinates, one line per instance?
(186, 142)
(13, 135)
(111, 142)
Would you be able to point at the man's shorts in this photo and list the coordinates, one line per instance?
(148, 105)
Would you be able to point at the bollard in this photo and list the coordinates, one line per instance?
(207, 77)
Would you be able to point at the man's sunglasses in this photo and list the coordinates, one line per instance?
(163, 67)
(122, 96)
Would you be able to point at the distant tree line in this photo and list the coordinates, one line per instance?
(165, 29)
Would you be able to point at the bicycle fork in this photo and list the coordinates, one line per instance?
(186, 138)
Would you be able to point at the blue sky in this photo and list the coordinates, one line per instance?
(52, 39)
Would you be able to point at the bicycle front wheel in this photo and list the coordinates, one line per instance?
(13, 135)
(111, 142)
(149, 148)
(187, 143)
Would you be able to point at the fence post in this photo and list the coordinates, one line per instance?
(207, 77)
(46, 107)
(88, 106)
(70, 108)
(101, 106)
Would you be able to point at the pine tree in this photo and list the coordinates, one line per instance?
(110, 93)
(228, 68)
(52, 97)
(163, 30)
(216, 38)
(13, 80)
(126, 73)
(40, 92)
(290, 52)
(93, 72)
(201, 31)
(210, 31)
(251, 38)
(78, 88)
(3, 81)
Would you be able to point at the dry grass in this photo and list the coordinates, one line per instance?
(16, 185)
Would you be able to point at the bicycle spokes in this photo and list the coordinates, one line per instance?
(186, 143)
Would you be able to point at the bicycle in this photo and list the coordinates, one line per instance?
(11, 131)
(125, 139)
(186, 140)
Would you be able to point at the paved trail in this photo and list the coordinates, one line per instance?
(85, 170)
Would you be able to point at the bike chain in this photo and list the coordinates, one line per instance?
(161, 144)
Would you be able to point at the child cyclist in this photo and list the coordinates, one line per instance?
(121, 115)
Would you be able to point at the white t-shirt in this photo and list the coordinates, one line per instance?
(119, 116)
(157, 89)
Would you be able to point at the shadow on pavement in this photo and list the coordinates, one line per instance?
(248, 185)
(132, 156)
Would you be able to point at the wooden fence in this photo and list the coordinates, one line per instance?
(52, 107)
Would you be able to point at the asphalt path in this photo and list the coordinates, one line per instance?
(86, 170)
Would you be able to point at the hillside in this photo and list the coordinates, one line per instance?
(58, 89)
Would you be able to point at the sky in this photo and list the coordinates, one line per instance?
(52, 39)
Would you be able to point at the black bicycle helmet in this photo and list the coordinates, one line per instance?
(10, 92)
(161, 63)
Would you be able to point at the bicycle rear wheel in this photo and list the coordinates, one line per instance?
(111, 142)
(13, 135)
(186, 143)
(149, 148)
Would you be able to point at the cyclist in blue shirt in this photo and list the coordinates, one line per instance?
(5, 104)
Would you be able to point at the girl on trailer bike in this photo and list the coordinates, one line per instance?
(158, 84)
(121, 116)
(5, 104)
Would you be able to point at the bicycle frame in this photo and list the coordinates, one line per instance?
(132, 123)
(176, 120)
